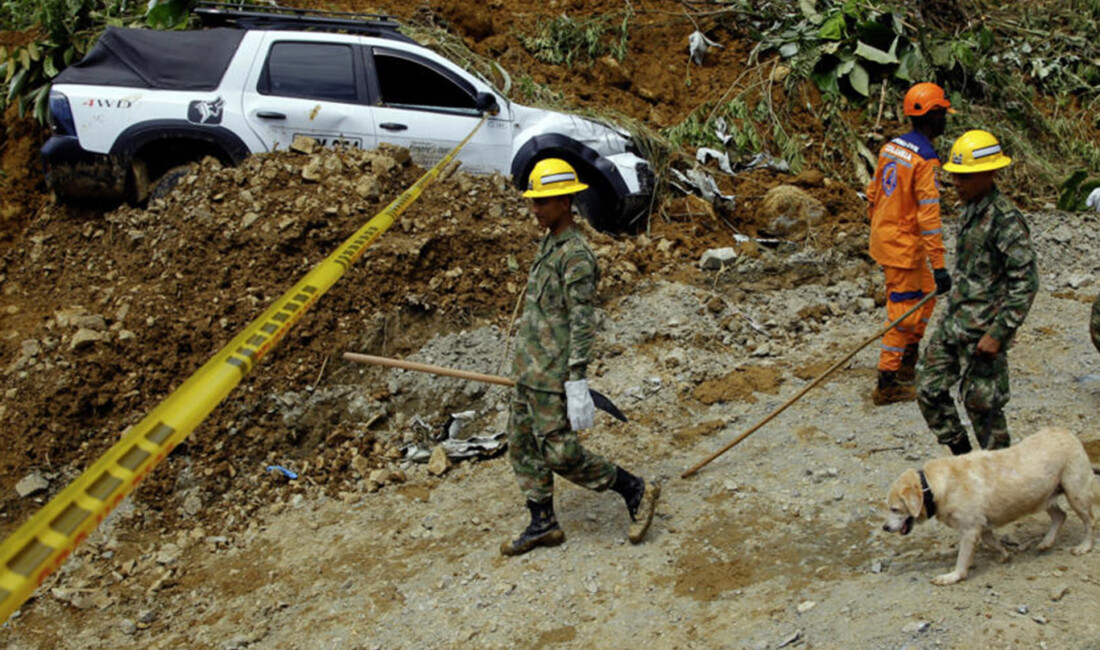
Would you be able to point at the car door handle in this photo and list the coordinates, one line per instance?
(393, 126)
(270, 115)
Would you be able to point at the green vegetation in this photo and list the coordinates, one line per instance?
(1028, 72)
(564, 40)
(47, 35)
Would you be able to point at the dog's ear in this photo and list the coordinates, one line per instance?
(911, 493)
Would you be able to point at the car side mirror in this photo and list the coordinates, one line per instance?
(487, 103)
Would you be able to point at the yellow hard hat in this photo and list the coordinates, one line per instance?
(553, 177)
(976, 151)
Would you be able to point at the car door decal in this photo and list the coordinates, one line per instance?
(206, 111)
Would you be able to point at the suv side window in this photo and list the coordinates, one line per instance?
(406, 82)
(310, 71)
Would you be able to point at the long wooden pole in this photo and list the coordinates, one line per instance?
(808, 387)
(428, 368)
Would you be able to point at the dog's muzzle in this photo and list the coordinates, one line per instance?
(906, 526)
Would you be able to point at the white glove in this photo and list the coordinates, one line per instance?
(1094, 199)
(578, 403)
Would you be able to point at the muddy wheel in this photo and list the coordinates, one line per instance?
(168, 181)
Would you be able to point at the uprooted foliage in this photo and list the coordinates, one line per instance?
(1024, 71)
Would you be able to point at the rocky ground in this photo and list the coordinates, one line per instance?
(776, 544)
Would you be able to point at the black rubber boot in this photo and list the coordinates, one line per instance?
(641, 501)
(542, 531)
(890, 390)
(960, 446)
(907, 373)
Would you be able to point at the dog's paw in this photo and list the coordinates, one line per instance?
(1044, 546)
(947, 579)
(1082, 548)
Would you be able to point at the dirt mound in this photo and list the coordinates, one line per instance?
(21, 179)
(102, 315)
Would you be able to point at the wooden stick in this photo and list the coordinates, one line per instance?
(809, 386)
(428, 368)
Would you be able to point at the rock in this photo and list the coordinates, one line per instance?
(360, 465)
(438, 464)
(65, 316)
(85, 338)
(147, 616)
(1077, 280)
(1022, 609)
(248, 219)
(30, 347)
(93, 322)
(789, 639)
(312, 170)
(380, 476)
(716, 258)
(790, 212)
(168, 554)
(806, 606)
(32, 483)
(368, 187)
(916, 627)
(1059, 592)
(303, 144)
(1062, 234)
(128, 627)
(192, 505)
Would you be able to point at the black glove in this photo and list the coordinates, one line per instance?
(943, 281)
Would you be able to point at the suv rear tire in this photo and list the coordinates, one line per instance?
(168, 181)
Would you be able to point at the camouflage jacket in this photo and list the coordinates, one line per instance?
(559, 314)
(996, 277)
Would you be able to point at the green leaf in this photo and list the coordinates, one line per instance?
(49, 67)
(810, 11)
(909, 64)
(33, 51)
(826, 81)
(876, 55)
(860, 80)
(42, 103)
(17, 83)
(845, 67)
(24, 57)
(833, 28)
(787, 50)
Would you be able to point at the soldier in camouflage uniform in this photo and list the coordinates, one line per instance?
(552, 401)
(995, 283)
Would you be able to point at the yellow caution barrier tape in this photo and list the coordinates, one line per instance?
(39, 546)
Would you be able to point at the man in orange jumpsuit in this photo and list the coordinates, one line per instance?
(906, 236)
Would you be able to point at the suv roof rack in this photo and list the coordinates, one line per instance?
(253, 16)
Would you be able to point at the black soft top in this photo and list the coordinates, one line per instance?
(146, 58)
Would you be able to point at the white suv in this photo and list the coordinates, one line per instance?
(142, 103)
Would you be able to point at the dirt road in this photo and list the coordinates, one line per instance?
(776, 544)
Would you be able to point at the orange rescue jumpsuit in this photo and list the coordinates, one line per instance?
(906, 234)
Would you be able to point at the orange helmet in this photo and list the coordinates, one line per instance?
(925, 97)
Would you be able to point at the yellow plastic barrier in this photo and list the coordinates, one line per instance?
(39, 546)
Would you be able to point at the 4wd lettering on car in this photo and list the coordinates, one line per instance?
(109, 103)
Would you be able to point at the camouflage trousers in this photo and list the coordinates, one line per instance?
(541, 443)
(983, 388)
(1094, 323)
